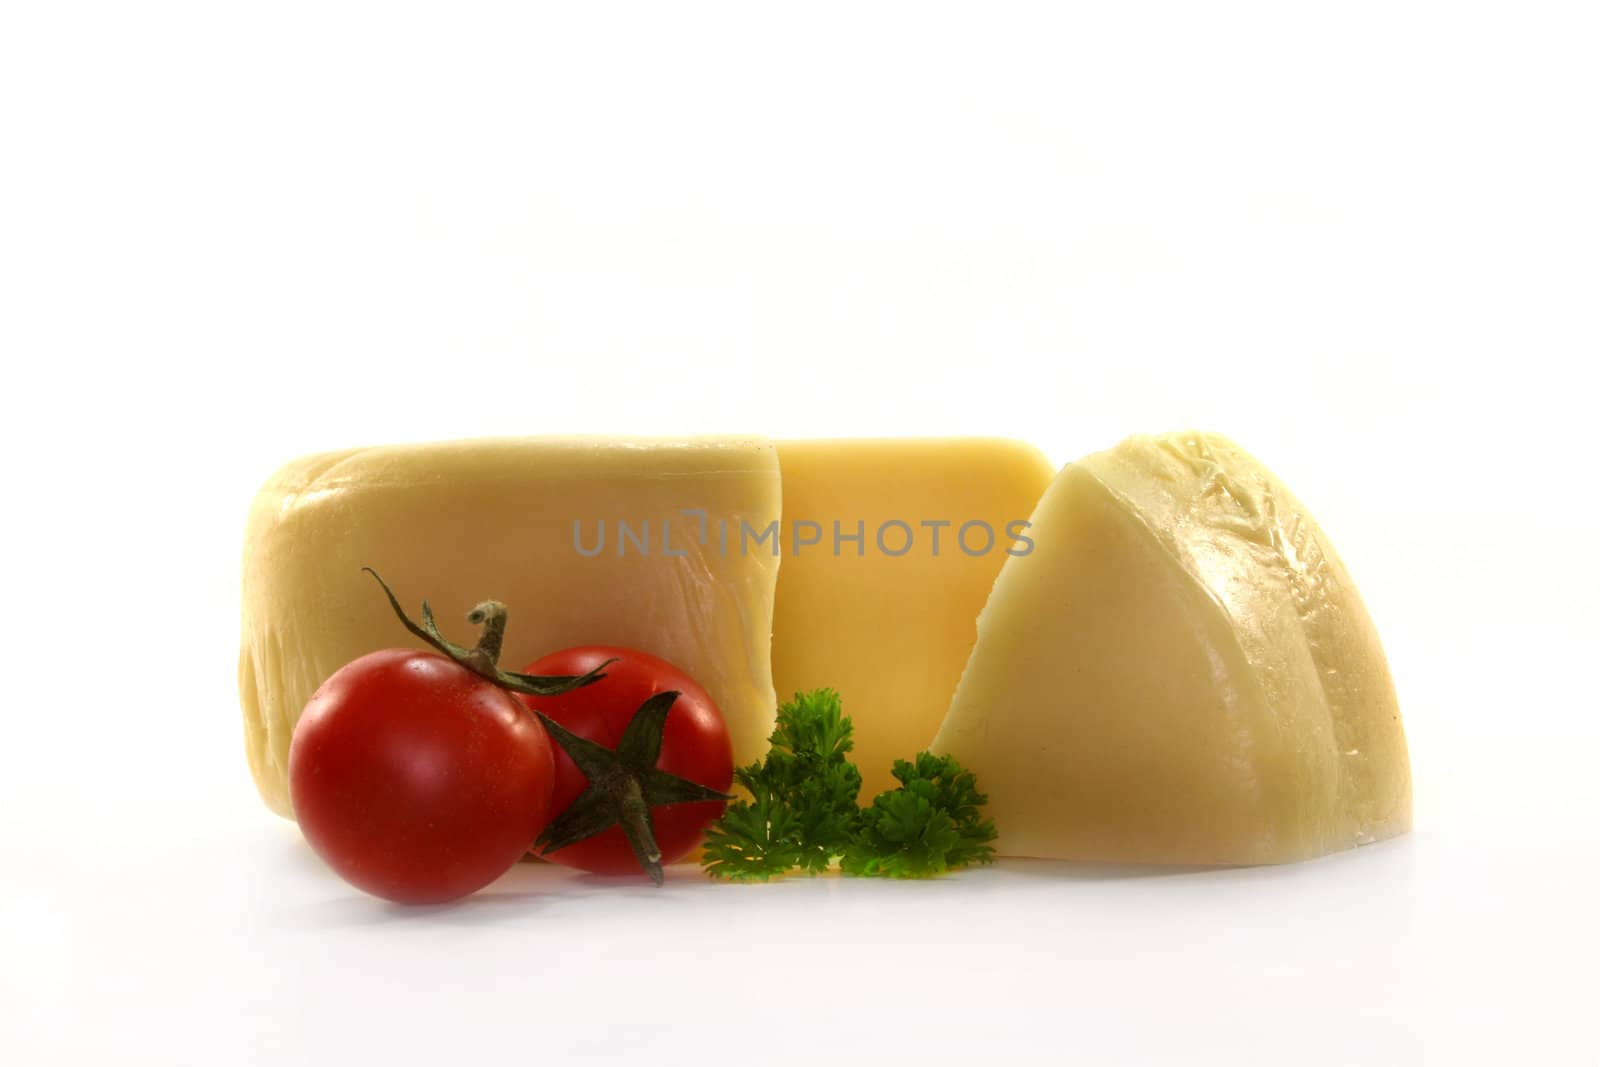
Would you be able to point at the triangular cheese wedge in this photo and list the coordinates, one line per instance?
(1181, 671)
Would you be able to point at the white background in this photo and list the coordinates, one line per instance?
(1359, 238)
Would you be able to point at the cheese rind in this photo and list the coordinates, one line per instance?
(891, 633)
(1181, 672)
(458, 522)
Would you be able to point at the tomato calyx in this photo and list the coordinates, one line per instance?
(483, 659)
(624, 785)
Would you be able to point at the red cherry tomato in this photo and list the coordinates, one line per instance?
(416, 779)
(694, 745)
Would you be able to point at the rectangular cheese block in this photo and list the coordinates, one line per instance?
(890, 549)
(520, 520)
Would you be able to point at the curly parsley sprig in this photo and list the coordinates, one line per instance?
(928, 826)
(802, 807)
(802, 813)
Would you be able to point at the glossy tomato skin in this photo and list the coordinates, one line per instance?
(417, 780)
(694, 745)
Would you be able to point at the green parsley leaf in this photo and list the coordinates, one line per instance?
(754, 840)
(928, 826)
(802, 807)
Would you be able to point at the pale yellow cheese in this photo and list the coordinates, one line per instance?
(891, 630)
(462, 521)
(1181, 672)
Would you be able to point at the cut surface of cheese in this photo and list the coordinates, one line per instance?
(586, 541)
(1181, 672)
(884, 613)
